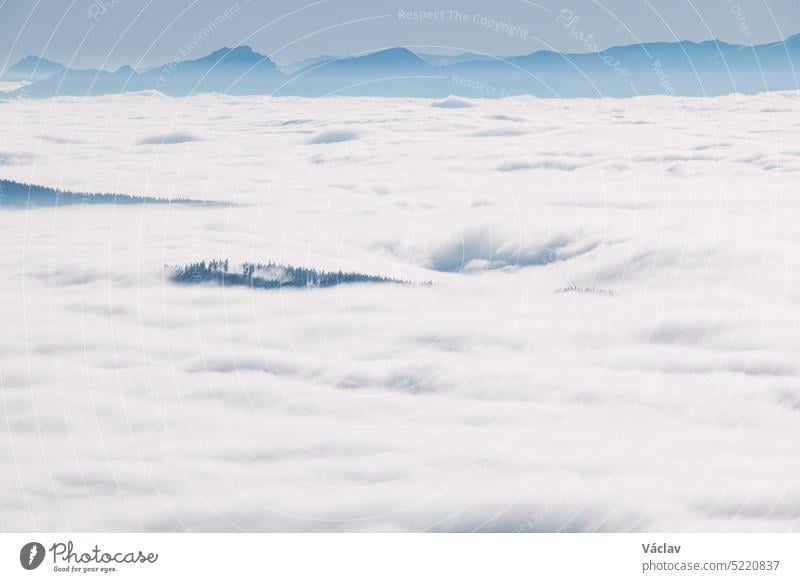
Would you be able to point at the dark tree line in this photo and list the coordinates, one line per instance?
(20, 195)
(270, 275)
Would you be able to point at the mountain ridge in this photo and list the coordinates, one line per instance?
(710, 67)
(30, 69)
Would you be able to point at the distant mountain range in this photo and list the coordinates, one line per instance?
(679, 68)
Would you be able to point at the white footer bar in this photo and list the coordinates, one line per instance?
(401, 557)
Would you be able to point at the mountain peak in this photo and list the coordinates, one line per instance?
(391, 59)
(393, 55)
(794, 39)
(238, 53)
(30, 60)
(32, 68)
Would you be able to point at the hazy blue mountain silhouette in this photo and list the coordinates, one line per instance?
(292, 68)
(393, 59)
(81, 82)
(390, 72)
(682, 68)
(676, 68)
(20, 195)
(31, 69)
(443, 60)
(238, 70)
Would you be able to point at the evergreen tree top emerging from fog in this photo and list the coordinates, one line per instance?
(270, 275)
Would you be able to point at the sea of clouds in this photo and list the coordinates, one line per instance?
(486, 401)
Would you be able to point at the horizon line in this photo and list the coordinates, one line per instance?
(416, 50)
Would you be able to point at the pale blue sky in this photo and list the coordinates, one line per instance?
(109, 33)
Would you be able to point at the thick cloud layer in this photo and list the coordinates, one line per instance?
(486, 401)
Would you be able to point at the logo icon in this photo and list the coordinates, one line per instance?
(31, 555)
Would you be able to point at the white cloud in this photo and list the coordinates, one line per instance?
(334, 136)
(483, 402)
(452, 102)
(167, 139)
